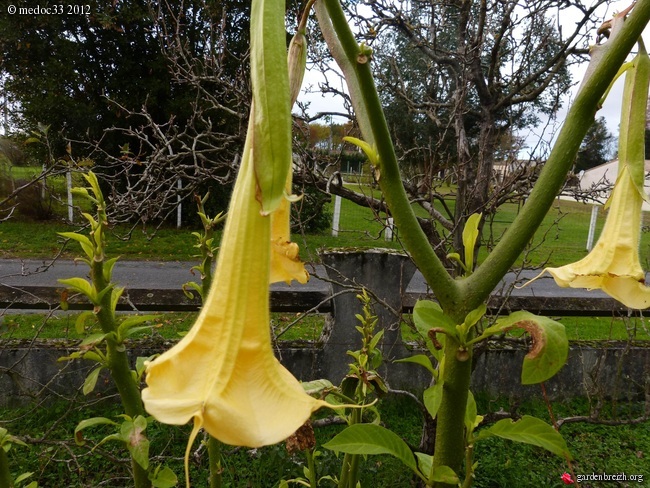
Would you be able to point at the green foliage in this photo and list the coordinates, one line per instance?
(596, 147)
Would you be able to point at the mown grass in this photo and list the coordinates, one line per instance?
(292, 327)
(561, 238)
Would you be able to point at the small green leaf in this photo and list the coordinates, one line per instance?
(432, 398)
(91, 380)
(109, 264)
(85, 243)
(132, 432)
(372, 439)
(428, 315)
(164, 478)
(80, 323)
(23, 477)
(81, 286)
(115, 297)
(93, 339)
(424, 463)
(134, 320)
(422, 360)
(84, 424)
(470, 235)
(529, 430)
(444, 474)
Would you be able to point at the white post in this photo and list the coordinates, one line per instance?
(337, 216)
(592, 227)
(68, 181)
(179, 207)
(388, 233)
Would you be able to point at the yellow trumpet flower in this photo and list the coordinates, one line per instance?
(223, 373)
(613, 264)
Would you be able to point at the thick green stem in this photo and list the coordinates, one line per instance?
(214, 455)
(5, 475)
(581, 115)
(373, 125)
(118, 364)
(450, 429)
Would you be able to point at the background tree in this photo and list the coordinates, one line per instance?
(152, 92)
(468, 74)
(596, 148)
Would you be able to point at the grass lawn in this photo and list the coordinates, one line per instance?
(56, 460)
(561, 239)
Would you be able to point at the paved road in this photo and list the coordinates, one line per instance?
(173, 274)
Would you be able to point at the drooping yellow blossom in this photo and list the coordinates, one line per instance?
(223, 373)
(613, 264)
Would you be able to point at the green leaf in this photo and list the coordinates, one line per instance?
(80, 323)
(84, 424)
(93, 339)
(91, 380)
(23, 477)
(444, 474)
(115, 297)
(422, 360)
(164, 478)
(316, 387)
(472, 419)
(427, 315)
(109, 264)
(474, 316)
(550, 345)
(424, 463)
(432, 398)
(85, 243)
(134, 320)
(528, 430)
(470, 235)
(372, 439)
(80, 285)
(132, 432)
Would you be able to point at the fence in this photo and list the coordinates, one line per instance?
(29, 368)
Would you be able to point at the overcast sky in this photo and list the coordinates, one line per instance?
(610, 110)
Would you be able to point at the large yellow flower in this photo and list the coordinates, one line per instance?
(223, 373)
(613, 264)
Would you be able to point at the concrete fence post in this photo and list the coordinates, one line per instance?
(384, 273)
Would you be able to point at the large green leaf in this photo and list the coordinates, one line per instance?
(550, 345)
(529, 430)
(372, 439)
